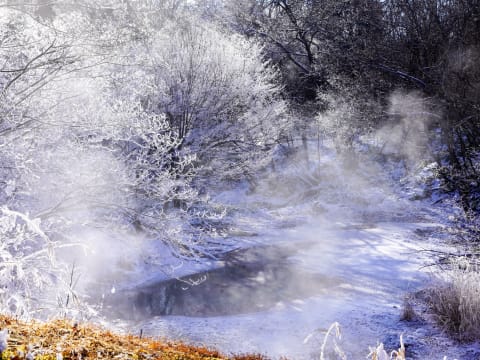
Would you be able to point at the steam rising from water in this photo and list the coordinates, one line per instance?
(406, 132)
(346, 263)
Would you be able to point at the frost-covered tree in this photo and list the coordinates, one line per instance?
(32, 56)
(218, 95)
(108, 120)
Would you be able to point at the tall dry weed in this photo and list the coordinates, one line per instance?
(455, 299)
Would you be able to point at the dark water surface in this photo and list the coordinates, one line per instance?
(250, 280)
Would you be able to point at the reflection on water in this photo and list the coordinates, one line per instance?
(251, 280)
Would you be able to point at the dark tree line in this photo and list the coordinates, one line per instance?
(438, 42)
(365, 49)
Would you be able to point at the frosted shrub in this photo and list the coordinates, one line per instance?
(27, 261)
(455, 300)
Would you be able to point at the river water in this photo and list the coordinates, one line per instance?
(270, 298)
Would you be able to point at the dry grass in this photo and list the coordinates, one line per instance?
(376, 353)
(64, 340)
(408, 313)
(379, 353)
(455, 301)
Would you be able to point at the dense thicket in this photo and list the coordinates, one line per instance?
(365, 49)
(111, 114)
(438, 43)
